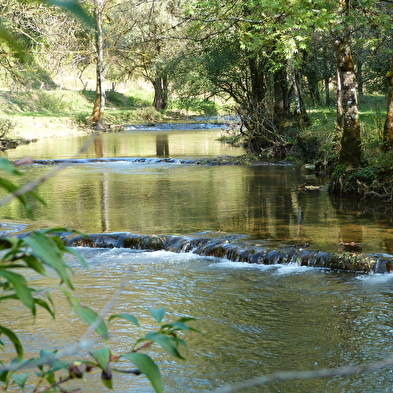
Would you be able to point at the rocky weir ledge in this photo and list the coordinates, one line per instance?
(223, 248)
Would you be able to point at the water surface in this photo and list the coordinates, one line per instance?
(257, 319)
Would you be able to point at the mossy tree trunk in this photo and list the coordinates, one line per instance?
(350, 153)
(388, 127)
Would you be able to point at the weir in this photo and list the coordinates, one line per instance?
(222, 248)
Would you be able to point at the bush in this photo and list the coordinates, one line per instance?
(149, 114)
(6, 127)
(199, 105)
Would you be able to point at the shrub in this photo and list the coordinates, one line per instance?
(6, 127)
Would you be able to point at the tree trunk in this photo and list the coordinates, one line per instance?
(99, 102)
(350, 153)
(339, 106)
(359, 78)
(281, 96)
(302, 117)
(160, 84)
(388, 127)
(327, 90)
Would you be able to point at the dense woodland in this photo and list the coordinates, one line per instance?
(271, 62)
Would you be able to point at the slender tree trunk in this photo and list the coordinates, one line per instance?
(388, 127)
(350, 152)
(160, 84)
(359, 78)
(339, 106)
(327, 90)
(302, 117)
(99, 102)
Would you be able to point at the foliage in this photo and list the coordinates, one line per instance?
(199, 105)
(45, 249)
(6, 126)
(149, 114)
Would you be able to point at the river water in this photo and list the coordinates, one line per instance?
(257, 319)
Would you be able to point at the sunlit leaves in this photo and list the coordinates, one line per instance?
(20, 49)
(167, 334)
(148, 367)
(170, 344)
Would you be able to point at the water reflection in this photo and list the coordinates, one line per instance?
(262, 202)
(162, 145)
(257, 319)
(178, 143)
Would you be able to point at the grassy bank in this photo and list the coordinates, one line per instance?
(43, 113)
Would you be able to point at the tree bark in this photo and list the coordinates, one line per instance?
(339, 106)
(350, 153)
(388, 126)
(160, 84)
(302, 117)
(281, 96)
(97, 116)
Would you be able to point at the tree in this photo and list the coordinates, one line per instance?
(149, 43)
(350, 153)
(97, 115)
(36, 252)
(388, 125)
(265, 40)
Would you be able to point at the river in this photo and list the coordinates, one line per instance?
(257, 319)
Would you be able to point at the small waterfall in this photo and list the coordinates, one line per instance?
(223, 248)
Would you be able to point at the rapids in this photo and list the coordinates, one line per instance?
(143, 183)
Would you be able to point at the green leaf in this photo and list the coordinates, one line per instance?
(61, 245)
(82, 260)
(11, 188)
(20, 379)
(33, 263)
(87, 314)
(102, 356)
(107, 380)
(46, 249)
(36, 196)
(148, 367)
(14, 339)
(20, 287)
(158, 314)
(168, 343)
(128, 317)
(7, 165)
(45, 305)
(178, 325)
